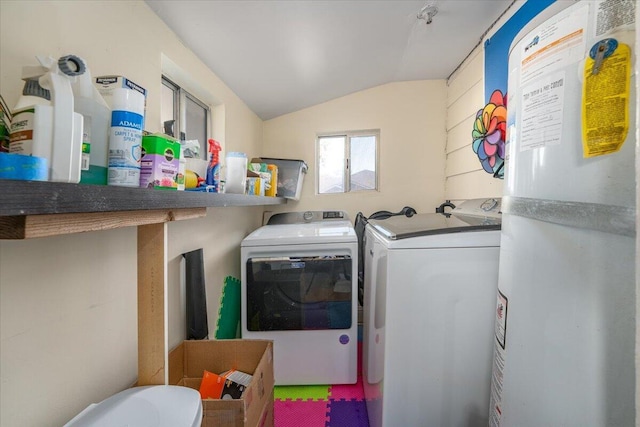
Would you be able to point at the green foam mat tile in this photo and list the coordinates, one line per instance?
(301, 392)
(229, 312)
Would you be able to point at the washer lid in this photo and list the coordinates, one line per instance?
(157, 406)
(402, 227)
(301, 234)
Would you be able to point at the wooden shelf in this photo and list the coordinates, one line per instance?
(30, 209)
(38, 198)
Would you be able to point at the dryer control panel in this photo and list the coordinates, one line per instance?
(306, 216)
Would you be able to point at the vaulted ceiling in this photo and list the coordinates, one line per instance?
(282, 56)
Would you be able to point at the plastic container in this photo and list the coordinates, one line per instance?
(95, 131)
(161, 406)
(160, 163)
(236, 177)
(107, 84)
(58, 137)
(290, 176)
(125, 138)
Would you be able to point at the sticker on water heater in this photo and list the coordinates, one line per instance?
(557, 43)
(499, 356)
(542, 113)
(614, 15)
(606, 91)
(501, 319)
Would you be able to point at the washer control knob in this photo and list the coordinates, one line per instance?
(307, 216)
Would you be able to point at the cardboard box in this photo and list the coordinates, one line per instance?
(159, 165)
(190, 359)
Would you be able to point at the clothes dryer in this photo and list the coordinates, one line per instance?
(299, 289)
(429, 299)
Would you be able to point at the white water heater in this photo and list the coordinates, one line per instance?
(565, 313)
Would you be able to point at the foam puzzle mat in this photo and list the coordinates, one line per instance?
(336, 405)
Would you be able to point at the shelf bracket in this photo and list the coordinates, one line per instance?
(153, 351)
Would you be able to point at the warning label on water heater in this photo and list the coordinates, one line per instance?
(605, 102)
(498, 360)
(501, 319)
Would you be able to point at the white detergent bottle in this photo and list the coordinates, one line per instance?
(95, 134)
(66, 150)
(53, 129)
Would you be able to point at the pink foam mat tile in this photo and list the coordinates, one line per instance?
(347, 391)
(297, 413)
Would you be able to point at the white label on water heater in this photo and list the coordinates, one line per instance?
(542, 112)
(613, 15)
(495, 408)
(554, 45)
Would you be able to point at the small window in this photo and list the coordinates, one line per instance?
(184, 116)
(347, 162)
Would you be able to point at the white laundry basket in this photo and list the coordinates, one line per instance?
(157, 406)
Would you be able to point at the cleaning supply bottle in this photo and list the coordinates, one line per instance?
(95, 132)
(213, 169)
(58, 129)
(273, 181)
(125, 137)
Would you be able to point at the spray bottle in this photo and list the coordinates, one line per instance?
(213, 169)
(57, 127)
(95, 135)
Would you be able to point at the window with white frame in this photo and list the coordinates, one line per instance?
(184, 116)
(347, 161)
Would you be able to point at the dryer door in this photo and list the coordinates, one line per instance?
(299, 293)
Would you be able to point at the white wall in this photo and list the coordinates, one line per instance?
(411, 118)
(68, 325)
(465, 178)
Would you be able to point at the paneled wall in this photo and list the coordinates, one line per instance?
(464, 176)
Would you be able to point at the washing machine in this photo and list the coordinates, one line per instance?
(430, 287)
(299, 289)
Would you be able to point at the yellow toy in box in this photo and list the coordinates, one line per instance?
(160, 162)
